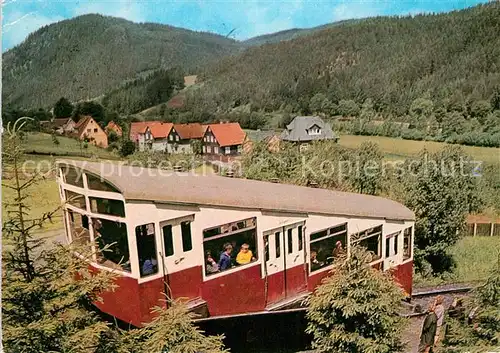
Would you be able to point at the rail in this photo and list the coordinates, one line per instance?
(450, 289)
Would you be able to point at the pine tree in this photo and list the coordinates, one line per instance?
(44, 305)
(356, 309)
(172, 331)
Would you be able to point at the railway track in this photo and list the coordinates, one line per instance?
(422, 297)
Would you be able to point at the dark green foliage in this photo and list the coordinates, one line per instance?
(441, 190)
(63, 108)
(85, 57)
(495, 98)
(112, 136)
(356, 309)
(137, 95)
(127, 148)
(94, 109)
(10, 114)
(172, 331)
(483, 333)
(366, 175)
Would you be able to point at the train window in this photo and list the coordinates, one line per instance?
(407, 243)
(79, 228)
(168, 240)
(266, 243)
(277, 242)
(290, 240)
(370, 239)
(229, 245)
(72, 176)
(326, 245)
(112, 239)
(96, 183)
(146, 249)
(107, 206)
(391, 244)
(75, 199)
(301, 238)
(187, 243)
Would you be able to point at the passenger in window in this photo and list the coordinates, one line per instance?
(339, 250)
(211, 265)
(225, 257)
(245, 256)
(315, 263)
(149, 266)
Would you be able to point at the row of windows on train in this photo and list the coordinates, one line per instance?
(225, 246)
(229, 245)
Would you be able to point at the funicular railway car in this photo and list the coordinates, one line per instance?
(227, 246)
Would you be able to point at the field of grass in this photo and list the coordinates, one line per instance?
(42, 143)
(396, 148)
(44, 197)
(474, 258)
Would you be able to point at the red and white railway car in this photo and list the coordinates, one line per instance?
(163, 225)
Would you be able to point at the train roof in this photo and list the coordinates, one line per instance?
(148, 184)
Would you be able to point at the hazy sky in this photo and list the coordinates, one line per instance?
(249, 18)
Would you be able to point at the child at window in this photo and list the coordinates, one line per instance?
(211, 265)
(245, 255)
(225, 257)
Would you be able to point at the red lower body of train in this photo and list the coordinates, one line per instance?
(244, 291)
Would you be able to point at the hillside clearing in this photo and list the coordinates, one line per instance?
(41, 143)
(397, 148)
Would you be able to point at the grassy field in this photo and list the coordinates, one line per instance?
(395, 148)
(42, 143)
(474, 258)
(44, 198)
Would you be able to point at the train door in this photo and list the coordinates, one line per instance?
(274, 274)
(182, 277)
(295, 270)
(285, 273)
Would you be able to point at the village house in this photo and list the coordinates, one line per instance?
(88, 128)
(187, 133)
(305, 129)
(61, 125)
(112, 126)
(224, 139)
(268, 137)
(216, 139)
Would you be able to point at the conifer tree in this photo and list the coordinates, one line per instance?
(173, 331)
(356, 309)
(46, 289)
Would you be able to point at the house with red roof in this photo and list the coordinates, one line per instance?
(217, 139)
(151, 135)
(112, 126)
(88, 129)
(224, 139)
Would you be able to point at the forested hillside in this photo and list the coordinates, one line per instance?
(452, 59)
(89, 55)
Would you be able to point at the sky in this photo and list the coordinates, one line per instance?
(248, 18)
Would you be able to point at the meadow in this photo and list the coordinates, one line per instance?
(474, 257)
(397, 148)
(42, 144)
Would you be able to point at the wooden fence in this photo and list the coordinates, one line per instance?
(484, 226)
